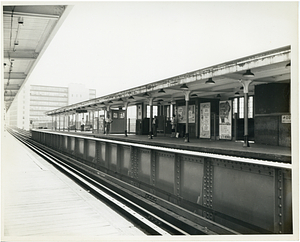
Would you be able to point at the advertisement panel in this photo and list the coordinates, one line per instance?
(205, 120)
(182, 114)
(225, 120)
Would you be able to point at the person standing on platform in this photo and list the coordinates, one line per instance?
(108, 123)
(82, 125)
(173, 123)
(154, 126)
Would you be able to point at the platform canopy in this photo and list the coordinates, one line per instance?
(219, 81)
(27, 31)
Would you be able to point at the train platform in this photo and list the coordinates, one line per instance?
(41, 203)
(222, 147)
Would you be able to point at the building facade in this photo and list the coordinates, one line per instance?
(29, 107)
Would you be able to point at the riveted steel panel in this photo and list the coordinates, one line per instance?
(125, 160)
(113, 157)
(192, 179)
(91, 149)
(245, 195)
(144, 165)
(287, 219)
(72, 145)
(80, 150)
(65, 138)
(165, 171)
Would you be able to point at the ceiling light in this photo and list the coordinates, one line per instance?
(16, 42)
(288, 65)
(184, 87)
(160, 100)
(161, 91)
(131, 97)
(248, 74)
(120, 99)
(20, 21)
(194, 95)
(103, 103)
(210, 81)
(146, 94)
(218, 96)
(236, 94)
(110, 101)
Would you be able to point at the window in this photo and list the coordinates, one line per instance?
(241, 107)
(238, 107)
(154, 111)
(250, 107)
(235, 106)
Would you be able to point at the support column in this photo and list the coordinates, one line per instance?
(93, 121)
(98, 119)
(55, 124)
(68, 122)
(52, 122)
(125, 118)
(76, 120)
(246, 84)
(151, 118)
(187, 98)
(59, 121)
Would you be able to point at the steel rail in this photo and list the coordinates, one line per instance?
(123, 205)
(206, 227)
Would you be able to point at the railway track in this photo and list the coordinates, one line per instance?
(144, 213)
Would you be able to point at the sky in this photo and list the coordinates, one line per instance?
(113, 46)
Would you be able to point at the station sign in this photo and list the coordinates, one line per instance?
(286, 119)
(81, 111)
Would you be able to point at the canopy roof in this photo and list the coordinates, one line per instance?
(269, 67)
(27, 31)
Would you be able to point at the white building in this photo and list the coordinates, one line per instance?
(28, 108)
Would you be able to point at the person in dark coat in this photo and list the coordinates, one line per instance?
(154, 126)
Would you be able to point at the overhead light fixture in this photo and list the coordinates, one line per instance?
(20, 21)
(248, 74)
(210, 81)
(16, 42)
(120, 99)
(194, 95)
(288, 65)
(160, 100)
(131, 97)
(236, 94)
(103, 103)
(146, 94)
(218, 96)
(161, 91)
(110, 101)
(184, 87)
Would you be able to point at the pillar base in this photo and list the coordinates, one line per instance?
(186, 138)
(246, 142)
